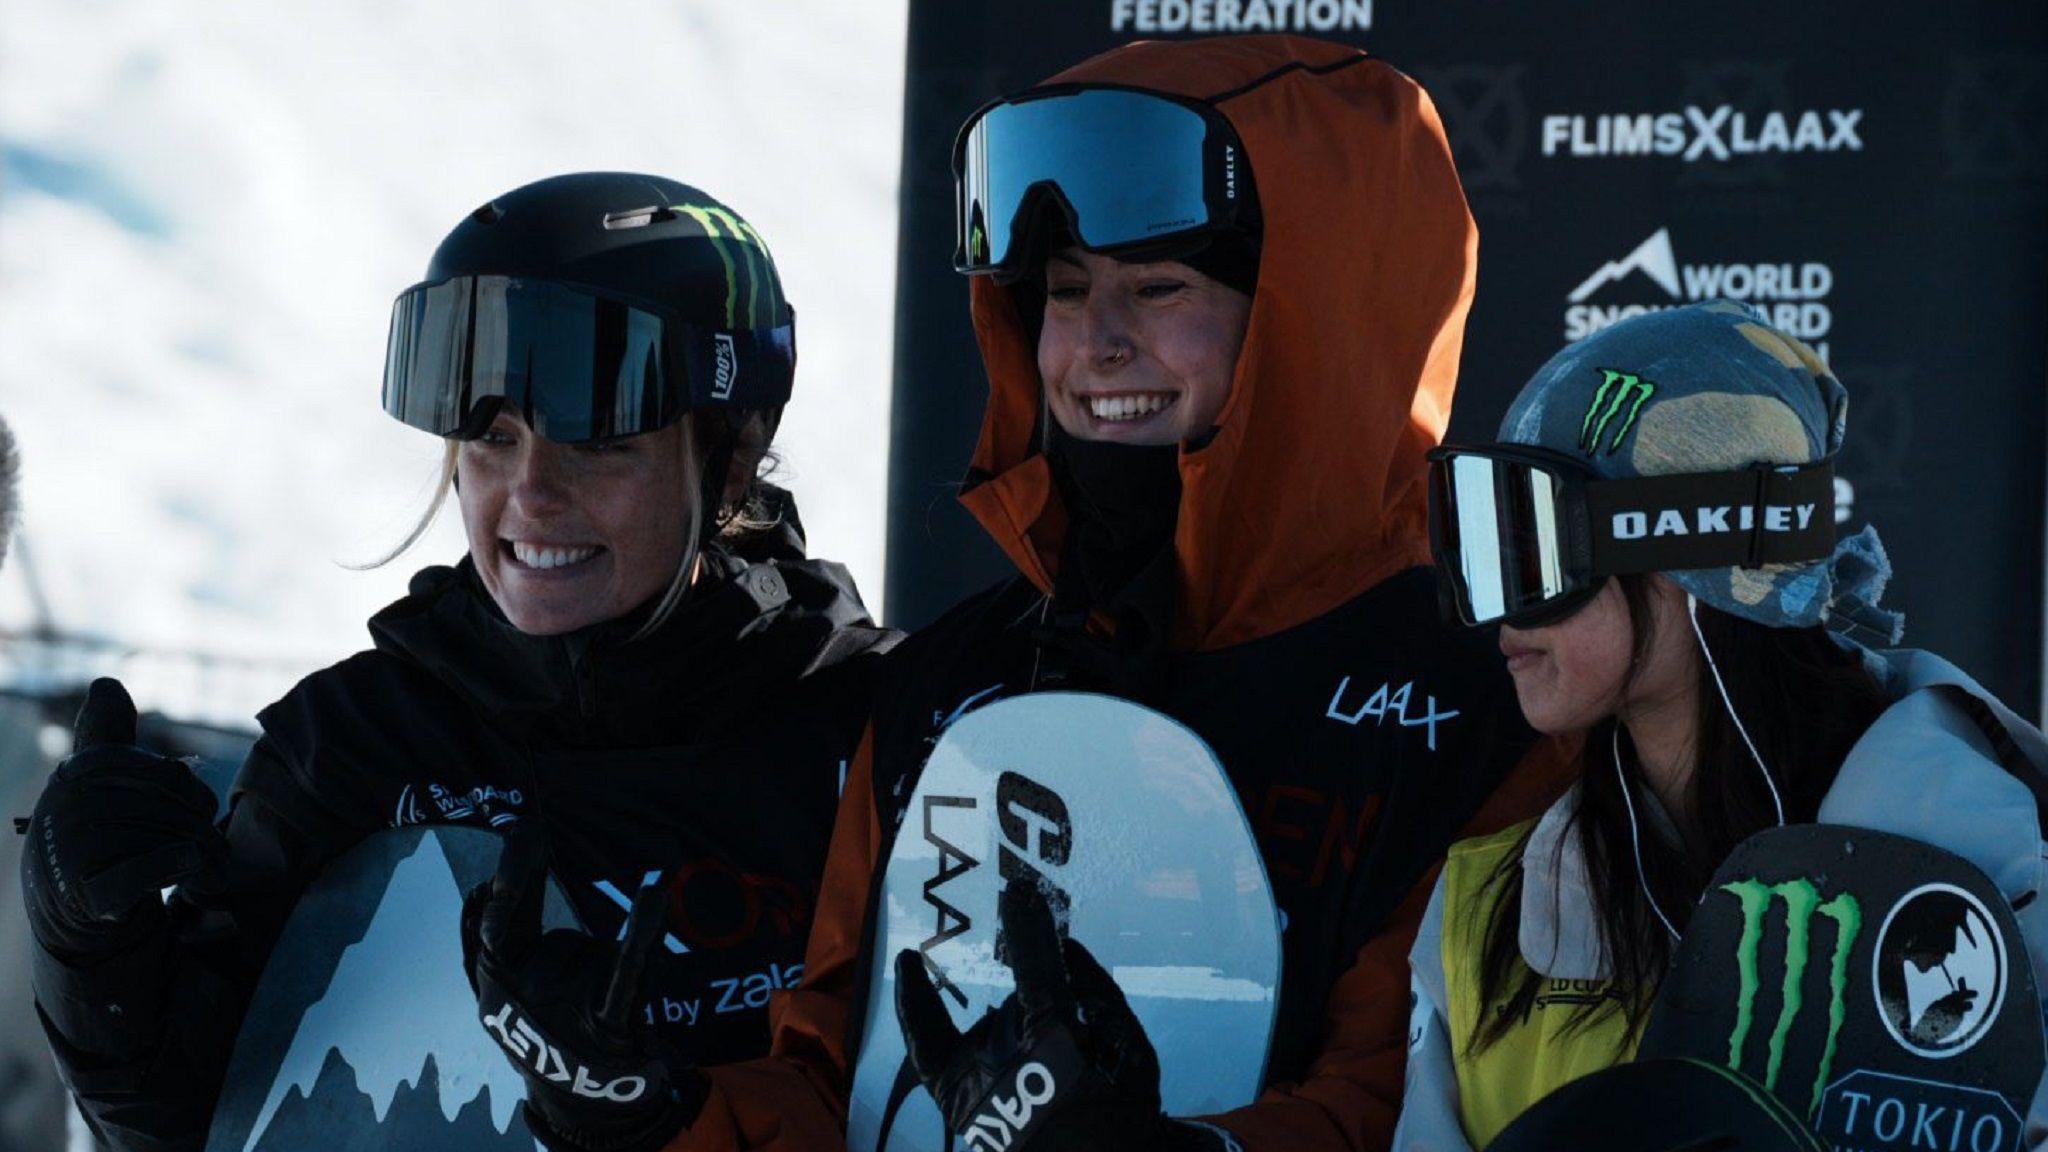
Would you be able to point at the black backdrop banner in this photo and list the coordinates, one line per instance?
(1871, 173)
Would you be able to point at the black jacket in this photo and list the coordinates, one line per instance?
(713, 749)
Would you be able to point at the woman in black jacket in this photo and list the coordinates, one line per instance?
(634, 657)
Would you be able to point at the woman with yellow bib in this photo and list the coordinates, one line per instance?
(1654, 535)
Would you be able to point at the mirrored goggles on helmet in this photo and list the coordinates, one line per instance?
(1129, 168)
(574, 365)
(1525, 536)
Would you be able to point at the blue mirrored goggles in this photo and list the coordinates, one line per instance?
(574, 365)
(1128, 169)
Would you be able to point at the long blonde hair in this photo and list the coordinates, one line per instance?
(741, 519)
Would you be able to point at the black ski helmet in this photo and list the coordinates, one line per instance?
(600, 304)
(1679, 1105)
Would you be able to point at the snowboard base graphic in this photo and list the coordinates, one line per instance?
(363, 1031)
(1128, 818)
(1877, 985)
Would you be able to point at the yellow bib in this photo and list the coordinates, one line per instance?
(1538, 1054)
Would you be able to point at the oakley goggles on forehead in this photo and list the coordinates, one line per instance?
(1129, 168)
(1525, 536)
(574, 365)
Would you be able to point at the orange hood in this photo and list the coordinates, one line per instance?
(1314, 488)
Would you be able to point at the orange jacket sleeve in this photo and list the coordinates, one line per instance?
(795, 1097)
(1352, 1094)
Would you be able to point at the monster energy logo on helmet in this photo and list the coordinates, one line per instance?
(1617, 390)
(1802, 903)
(740, 246)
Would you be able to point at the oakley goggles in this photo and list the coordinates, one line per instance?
(1525, 536)
(1129, 168)
(574, 365)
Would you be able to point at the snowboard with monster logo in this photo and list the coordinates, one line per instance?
(1878, 985)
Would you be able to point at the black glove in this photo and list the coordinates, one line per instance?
(115, 826)
(1062, 1065)
(566, 1007)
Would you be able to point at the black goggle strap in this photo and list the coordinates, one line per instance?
(1766, 514)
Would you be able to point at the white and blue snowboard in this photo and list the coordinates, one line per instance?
(363, 1030)
(1129, 818)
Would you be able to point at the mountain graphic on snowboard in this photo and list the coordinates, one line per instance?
(412, 1111)
(363, 1031)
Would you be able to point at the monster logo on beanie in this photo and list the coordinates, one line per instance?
(1709, 388)
(1618, 390)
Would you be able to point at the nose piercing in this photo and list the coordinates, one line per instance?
(1118, 356)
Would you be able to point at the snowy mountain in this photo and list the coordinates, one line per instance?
(207, 208)
(403, 978)
(330, 1116)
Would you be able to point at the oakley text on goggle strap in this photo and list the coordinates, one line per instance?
(1524, 535)
(1128, 167)
(574, 365)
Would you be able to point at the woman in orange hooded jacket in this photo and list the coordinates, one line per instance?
(1278, 555)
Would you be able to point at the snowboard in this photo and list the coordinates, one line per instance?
(1128, 818)
(363, 1032)
(1878, 985)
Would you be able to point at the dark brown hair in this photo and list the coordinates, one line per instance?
(1804, 700)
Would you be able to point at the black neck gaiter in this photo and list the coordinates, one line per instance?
(1122, 502)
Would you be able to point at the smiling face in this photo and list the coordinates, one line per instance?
(1137, 353)
(569, 535)
(1572, 674)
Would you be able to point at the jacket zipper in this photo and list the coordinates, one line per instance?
(586, 687)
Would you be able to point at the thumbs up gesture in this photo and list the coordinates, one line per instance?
(115, 826)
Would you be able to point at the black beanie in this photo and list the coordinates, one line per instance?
(1229, 258)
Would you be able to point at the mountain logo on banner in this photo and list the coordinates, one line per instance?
(1653, 258)
(1940, 971)
(1792, 295)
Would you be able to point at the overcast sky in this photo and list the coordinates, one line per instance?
(207, 208)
